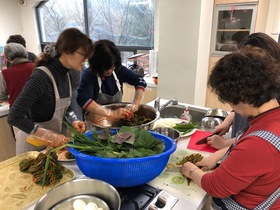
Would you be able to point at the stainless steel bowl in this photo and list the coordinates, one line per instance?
(80, 187)
(209, 123)
(170, 132)
(220, 113)
(101, 122)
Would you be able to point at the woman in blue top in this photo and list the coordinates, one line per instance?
(102, 83)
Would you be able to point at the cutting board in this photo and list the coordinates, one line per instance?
(197, 135)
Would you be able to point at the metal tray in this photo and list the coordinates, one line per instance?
(17, 189)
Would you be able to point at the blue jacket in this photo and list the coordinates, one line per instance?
(88, 89)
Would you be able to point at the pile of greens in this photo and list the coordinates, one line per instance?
(128, 142)
(45, 168)
(185, 127)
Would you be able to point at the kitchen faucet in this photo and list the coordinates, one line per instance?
(173, 101)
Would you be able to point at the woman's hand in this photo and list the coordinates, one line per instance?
(50, 138)
(192, 171)
(207, 163)
(80, 126)
(187, 168)
(224, 127)
(133, 107)
(219, 142)
(121, 113)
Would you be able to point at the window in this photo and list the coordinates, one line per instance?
(128, 23)
(56, 15)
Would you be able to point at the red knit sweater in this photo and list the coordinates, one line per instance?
(251, 172)
(15, 78)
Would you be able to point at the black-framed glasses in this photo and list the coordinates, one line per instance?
(81, 54)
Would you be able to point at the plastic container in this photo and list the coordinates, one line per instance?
(35, 141)
(125, 172)
(186, 115)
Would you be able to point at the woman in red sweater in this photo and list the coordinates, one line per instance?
(249, 173)
(13, 78)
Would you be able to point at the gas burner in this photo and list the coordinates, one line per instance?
(137, 198)
(145, 197)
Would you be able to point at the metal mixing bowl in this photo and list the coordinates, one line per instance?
(102, 122)
(80, 187)
(209, 123)
(220, 113)
(170, 132)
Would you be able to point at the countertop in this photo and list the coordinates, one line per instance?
(150, 82)
(192, 196)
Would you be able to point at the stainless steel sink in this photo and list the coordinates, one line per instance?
(175, 111)
(172, 111)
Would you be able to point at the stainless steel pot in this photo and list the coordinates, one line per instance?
(209, 123)
(101, 122)
(170, 132)
(220, 113)
(80, 187)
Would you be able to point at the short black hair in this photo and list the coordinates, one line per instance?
(105, 55)
(16, 39)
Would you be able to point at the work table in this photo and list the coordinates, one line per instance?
(192, 196)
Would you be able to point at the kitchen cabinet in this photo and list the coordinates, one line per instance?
(129, 91)
(255, 21)
(232, 23)
(8, 143)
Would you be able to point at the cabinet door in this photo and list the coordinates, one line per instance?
(129, 91)
(232, 23)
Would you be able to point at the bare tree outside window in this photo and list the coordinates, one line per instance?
(125, 22)
(57, 15)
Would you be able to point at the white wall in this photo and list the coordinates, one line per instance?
(29, 26)
(17, 19)
(183, 49)
(10, 20)
(205, 27)
(273, 13)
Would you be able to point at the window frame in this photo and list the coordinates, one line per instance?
(133, 49)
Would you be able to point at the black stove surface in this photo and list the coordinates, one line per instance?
(137, 198)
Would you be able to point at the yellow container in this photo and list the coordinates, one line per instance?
(34, 141)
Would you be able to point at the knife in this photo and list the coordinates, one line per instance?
(204, 140)
(174, 169)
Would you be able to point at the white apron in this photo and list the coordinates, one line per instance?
(55, 124)
(108, 99)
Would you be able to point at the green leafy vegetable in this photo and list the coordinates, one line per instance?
(185, 127)
(45, 168)
(128, 142)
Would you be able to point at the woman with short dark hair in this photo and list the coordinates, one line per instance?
(234, 120)
(102, 83)
(249, 173)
